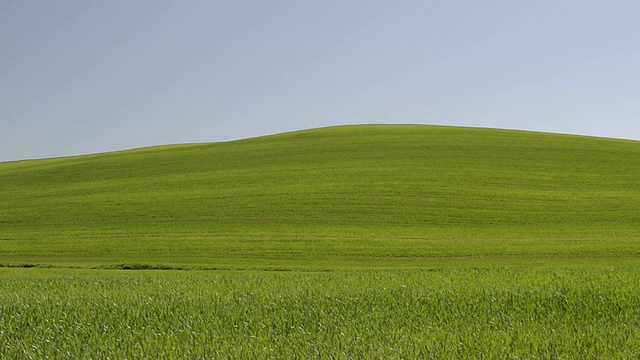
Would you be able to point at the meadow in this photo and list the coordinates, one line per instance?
(352, 242)
(335, 198)
(381, 314)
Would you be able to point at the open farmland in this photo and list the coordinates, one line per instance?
(383, 314)
(335, 198)
(391, 241)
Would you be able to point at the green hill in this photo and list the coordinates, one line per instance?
(343, 197)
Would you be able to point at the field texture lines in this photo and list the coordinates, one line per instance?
(335, 198)
(392, 242)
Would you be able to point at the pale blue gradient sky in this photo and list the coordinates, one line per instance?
(87, 76)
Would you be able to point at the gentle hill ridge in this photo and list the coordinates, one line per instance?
(332, 197)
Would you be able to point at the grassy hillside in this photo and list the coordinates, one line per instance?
(346, 197)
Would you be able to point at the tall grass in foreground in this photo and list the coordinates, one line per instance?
(465, 313)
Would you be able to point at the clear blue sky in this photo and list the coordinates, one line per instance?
(88, 76)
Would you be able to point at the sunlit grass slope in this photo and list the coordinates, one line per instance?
(344, 197)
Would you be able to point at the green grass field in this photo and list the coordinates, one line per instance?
(393, 242)
(372, 314)
(335, 198)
